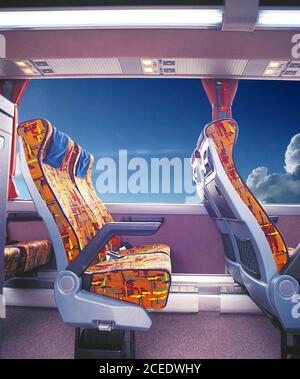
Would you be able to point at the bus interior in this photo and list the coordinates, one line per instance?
(85, 278)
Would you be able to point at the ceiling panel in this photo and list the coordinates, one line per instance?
(211, 66)
(85, 66)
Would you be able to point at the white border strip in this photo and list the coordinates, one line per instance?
(282, 209)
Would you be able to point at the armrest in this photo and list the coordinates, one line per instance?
(109, 230)
(144, 218)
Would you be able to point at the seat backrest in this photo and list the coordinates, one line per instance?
(49, 155)
(82, 175)
(249, 236)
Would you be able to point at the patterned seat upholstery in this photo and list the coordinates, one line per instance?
(82, 176)
(142, 278)
(12, 256)
(147, 249)
(25, 256)
(51, 158)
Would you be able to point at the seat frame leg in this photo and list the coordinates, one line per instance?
(290, 345)
(96, 344)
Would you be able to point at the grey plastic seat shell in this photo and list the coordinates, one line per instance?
(78, 307)
(266, 289)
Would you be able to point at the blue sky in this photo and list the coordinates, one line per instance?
(163, 118)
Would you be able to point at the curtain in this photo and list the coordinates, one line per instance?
(220, 93)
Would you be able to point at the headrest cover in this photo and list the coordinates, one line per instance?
(57, 149)
(83, 164)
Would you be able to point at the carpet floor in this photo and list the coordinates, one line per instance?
(40, 333)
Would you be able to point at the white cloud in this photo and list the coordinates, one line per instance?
(279, 187)
(292, 155)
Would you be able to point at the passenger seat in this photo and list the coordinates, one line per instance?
(255, 251)
(137, 275)
(22, 257)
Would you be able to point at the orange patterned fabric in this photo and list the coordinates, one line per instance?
(143, 279)
(36, 253)
(224, 134)
(86, 189)
(86, 198)
(156, 248)
(11, 261)
(76, 223)
(25, 256)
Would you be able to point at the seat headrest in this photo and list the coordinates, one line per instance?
(57, 149)
(83, 164)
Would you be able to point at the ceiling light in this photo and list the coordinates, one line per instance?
(148, 69)
(277, 65)
(277, 18)
(21, 64)
(147, 62)
(269, 72)
(111, 18)
(275, 68)
(27, 71)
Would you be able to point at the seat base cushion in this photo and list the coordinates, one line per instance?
(12, 256)
(142, 278)
(155, 248)
(25, 256)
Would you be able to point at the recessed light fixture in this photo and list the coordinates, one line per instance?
(269, 72)
(123, 18)
(27, 71)
(276, 65)
(112, 18)
(275, 68)
(278, 18)
(147, 62)
(150, 66)
(148, 70)
(21, 64)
